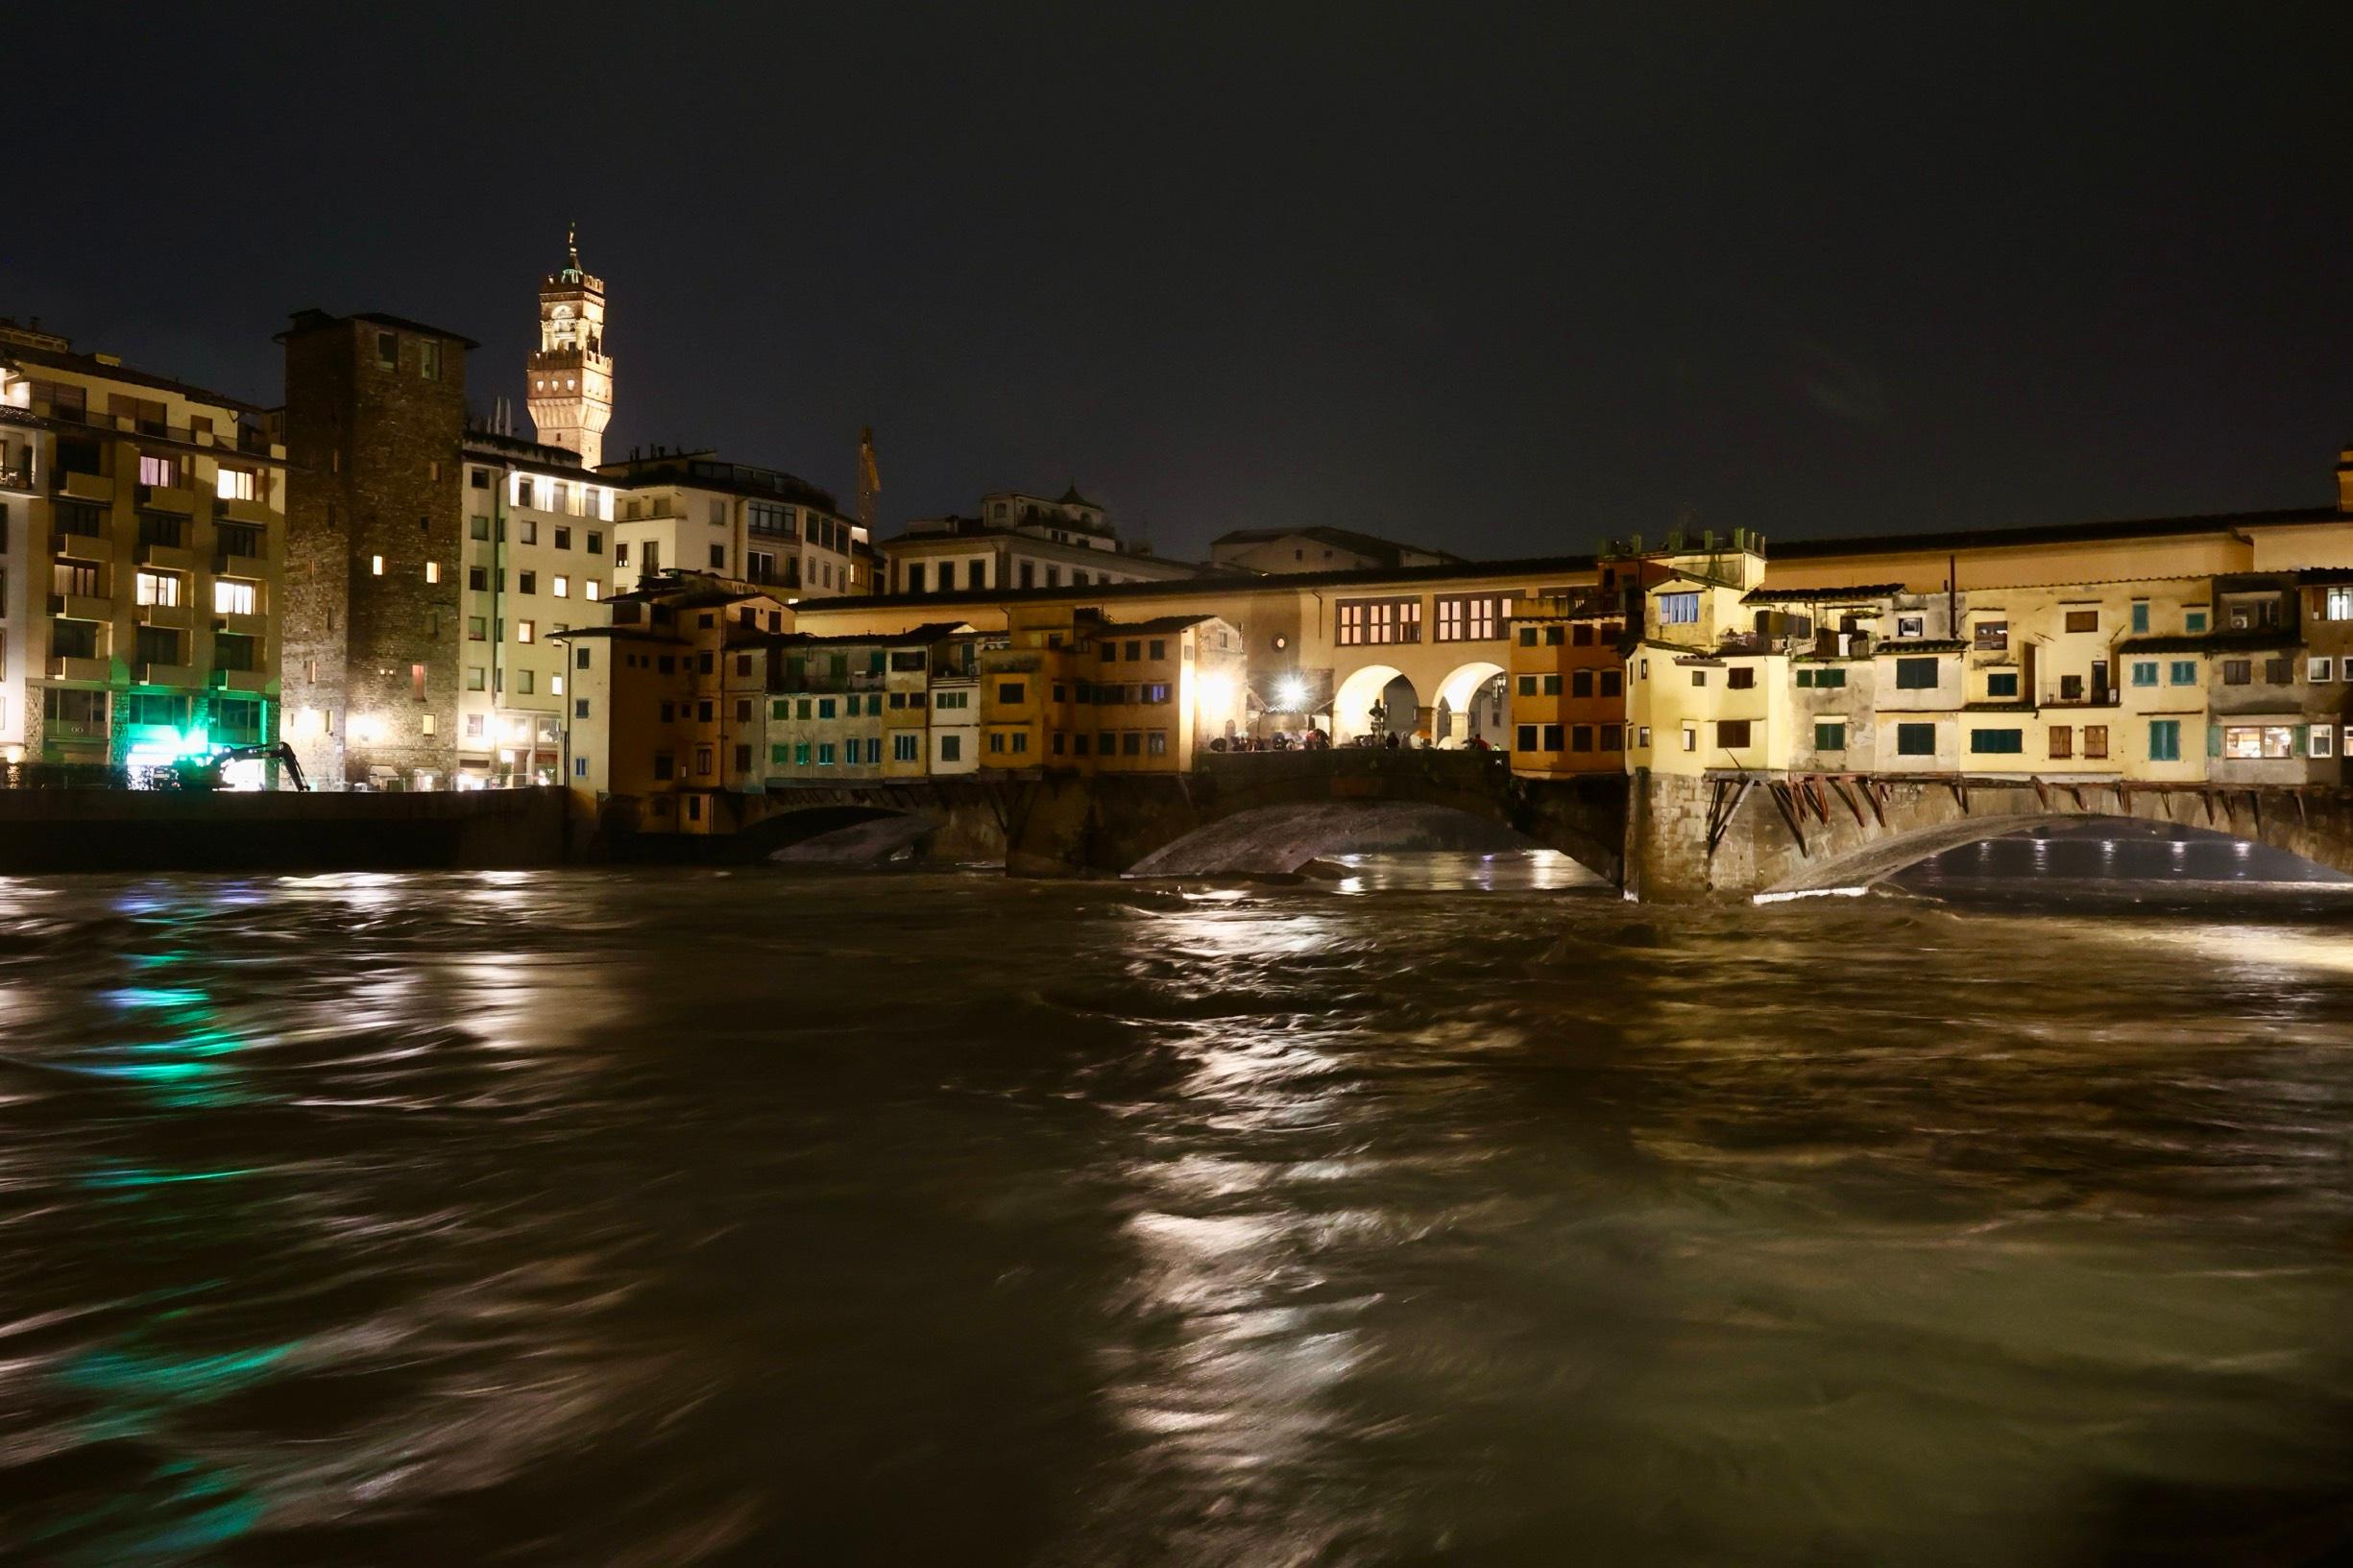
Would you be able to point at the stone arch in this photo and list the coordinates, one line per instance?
(1365, 685)
(1282, 838)
(1454, 720)
(1913, 823)
(786, 829)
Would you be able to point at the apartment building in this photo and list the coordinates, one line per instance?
(666, 700)
(536, 563)
(142, 558)
(1020, 540)
(693, 511)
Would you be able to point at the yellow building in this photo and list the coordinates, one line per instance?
(144, 621)
(2071, 679)
(1702, 693)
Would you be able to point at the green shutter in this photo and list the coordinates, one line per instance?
(2214, 741)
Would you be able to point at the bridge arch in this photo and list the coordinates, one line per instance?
(1807, 835)
(1456, 716)
(1299, 804)
(1366, 685)
(788, 830)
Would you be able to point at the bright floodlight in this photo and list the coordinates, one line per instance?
(1291, 694)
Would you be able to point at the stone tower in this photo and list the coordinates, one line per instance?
(571, 380)
(376, 410)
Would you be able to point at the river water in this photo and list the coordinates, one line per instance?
(1440, 1212)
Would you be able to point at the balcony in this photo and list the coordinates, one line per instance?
(80, 547)
(166, 557)
(239, 550)
(236, 509)
(867, 680)
(85, 487)
(65, 667)
(240, 680)
(180, 675)
(175, 617)
(81, 607)
(256, 624)
(2097, 697)
(1011, 664)
(176, 499)
(17, 475)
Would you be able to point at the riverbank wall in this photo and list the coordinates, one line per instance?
(47, 831)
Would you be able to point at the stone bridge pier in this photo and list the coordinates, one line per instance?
(1737, 836)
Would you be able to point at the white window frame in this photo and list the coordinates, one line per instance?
(2319, 668)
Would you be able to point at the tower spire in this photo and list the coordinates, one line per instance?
(571, 395)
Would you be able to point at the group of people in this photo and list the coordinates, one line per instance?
(1280, 740)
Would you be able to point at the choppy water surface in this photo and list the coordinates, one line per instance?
(664, 1218)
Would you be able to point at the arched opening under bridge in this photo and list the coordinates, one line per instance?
(1270, 841)
(1472, 705)
(836, 833)
(2083, 858)
(1384, 686)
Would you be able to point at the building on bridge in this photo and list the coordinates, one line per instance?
(1567, 696)
(1073, 689)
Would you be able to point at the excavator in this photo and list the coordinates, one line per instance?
(203, 773)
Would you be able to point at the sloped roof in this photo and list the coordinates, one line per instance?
(1387, 550)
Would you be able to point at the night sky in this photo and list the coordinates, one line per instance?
(1499, 281)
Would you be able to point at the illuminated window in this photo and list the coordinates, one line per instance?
(432, 571)
(2248, 741)
(523, 631)
(590, 589)
(560, 586)
(555, 685)
(159, 471)
(159, 588)
(426, 723)
(233, 484)
(376, 565)
(230, 597)
(1678, 610)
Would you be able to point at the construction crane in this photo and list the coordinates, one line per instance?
(869, 480)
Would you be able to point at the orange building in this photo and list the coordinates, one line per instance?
(1568, 685)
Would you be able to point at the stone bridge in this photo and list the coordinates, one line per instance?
(1246, 812)
(1662, 837)
(1739, 835)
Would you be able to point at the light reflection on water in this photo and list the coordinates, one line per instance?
(704, 1218)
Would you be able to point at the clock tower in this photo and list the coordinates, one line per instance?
(571, 393)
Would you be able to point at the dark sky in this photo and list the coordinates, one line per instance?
(1502, 280)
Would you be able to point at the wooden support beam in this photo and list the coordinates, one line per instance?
(1783, 798)
(1846, 793)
